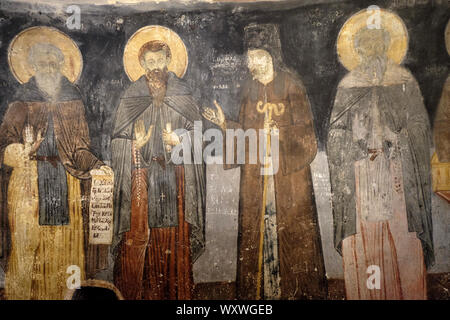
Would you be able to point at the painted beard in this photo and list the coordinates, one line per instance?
(49, 82)
(376, 67)
(157, 82)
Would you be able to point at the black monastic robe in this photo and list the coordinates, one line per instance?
(180, 109)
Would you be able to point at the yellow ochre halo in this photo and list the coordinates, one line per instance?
(390, 22)
(20, 46)
(179, 60)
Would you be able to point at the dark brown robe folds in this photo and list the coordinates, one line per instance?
(441, 133)
(30, 106)
(301, 262)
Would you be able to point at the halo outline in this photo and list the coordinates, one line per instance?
(180, 58)
(23, 72)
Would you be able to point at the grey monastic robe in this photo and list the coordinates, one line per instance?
(180, 109)
(402, 110)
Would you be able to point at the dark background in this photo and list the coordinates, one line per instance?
(213, 35)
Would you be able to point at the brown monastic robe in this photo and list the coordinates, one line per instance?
(442, 125)
(302, 268)
(31, 106)
(441, 133)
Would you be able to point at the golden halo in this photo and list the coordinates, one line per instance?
(447, 37)
(178, 63)
(22, 43)
(390, 22)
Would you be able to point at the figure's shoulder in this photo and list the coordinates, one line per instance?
(293, 80)
(27, 92)
(290, 76)
(177, 86)
(354, 79)
(17, 106)
(397, 74)
(69, 91)
(447, 84)
(446, 88)
(136, 89)
(347, 80)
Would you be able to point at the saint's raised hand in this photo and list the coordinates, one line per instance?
(216, 117)
(37, 143)
(142, 137)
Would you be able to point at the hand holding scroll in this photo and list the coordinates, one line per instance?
(170, 138)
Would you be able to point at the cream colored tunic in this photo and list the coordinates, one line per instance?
(40, 255)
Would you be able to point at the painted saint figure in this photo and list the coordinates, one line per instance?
(279, 248)
(442, 125)
(159, 206)
(45, 140)
(378, 152)
(441, 132)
